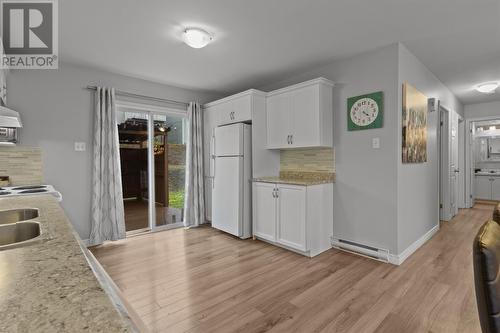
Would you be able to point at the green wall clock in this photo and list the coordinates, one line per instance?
(365, 111)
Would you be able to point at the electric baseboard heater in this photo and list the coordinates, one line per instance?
(361, 249)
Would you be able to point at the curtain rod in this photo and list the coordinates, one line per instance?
(157, 99)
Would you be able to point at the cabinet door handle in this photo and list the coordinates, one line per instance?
(291, 139)
(277, 193)
(274, 193)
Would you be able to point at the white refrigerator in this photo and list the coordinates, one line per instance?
(231, 193)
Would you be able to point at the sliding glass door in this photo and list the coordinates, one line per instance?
(169, 169)
(152, 155)
(133, 138)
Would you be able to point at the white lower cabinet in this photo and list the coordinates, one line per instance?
(291, 220)
(264, 211)
(299, 218)
(483, 187)
(495, 188)
(487, 187)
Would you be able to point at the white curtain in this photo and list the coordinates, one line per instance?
(194, 204)
(107, 216)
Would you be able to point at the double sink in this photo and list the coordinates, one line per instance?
(17, 228)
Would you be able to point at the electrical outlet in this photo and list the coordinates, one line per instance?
(376, 143)
(80, 146)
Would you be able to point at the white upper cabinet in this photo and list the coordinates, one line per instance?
(242, 109)
(301, 115)
(278, 112)
(236, 108)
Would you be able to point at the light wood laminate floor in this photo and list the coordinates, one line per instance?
(202, 280)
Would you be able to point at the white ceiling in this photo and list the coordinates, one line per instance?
(258, 42)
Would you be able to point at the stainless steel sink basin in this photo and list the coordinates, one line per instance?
(17, 215)
(16, 229)
(18, 234)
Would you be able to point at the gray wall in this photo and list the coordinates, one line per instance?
(365, 202)
(418, 191)
(57, 111)
(379, 201)
(482, 110)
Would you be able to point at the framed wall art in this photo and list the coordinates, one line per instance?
(414, 125)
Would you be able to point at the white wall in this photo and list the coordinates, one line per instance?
(57, 111)
(365, 202)
(418, 194)
(480, 110)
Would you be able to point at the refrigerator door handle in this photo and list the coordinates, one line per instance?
(212, 156)
(213, 147)
(213, 177)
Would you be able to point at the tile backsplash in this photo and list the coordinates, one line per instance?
(308, 160)
(23, 165)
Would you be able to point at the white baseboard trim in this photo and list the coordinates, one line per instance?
(398, 259)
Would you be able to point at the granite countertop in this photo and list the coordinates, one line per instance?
(299, 178)
(48, 286)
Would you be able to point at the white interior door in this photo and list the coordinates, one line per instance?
(454, 170)
(461, 203)
(472, 165)
(227, 210)
(444, 188)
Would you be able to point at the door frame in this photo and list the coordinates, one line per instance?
(151, 111)
(461, 132)
(444, 162)
(469, 150)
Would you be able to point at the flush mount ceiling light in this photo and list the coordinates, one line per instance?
(196, 37)
(487, 88)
